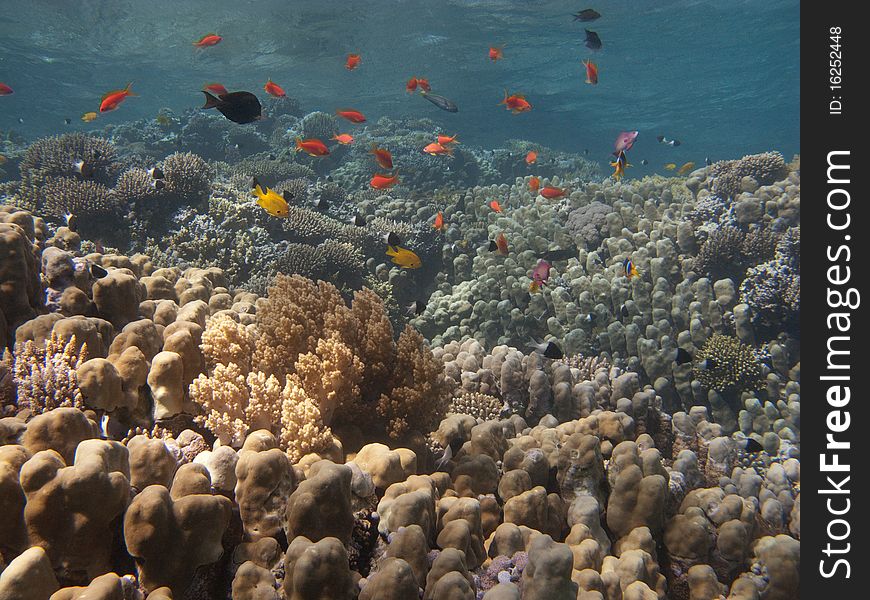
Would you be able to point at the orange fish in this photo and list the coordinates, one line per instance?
(424, 85)
(531, 157)
(534, 184)
(591, 72)
(5, 90)
(111, 100)
(312, 147)
(209, 39)
(343, 138)
(274, 89)
(382, 156)
(446, 139)
(496, 53)
(354, 116)
(436, 149)
(382, 182)
(494, 205)
(516, 103)
(353, 61)
(501, 244)
(411, 85)
(216, 89)
(551, 192)
(439, 221)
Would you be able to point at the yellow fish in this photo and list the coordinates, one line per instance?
(271, 202)
(404, 257)
(686, 168)
(89, 116)
(670, 167)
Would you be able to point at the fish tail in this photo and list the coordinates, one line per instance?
(391, 251)
(299, 144)
(210, 101)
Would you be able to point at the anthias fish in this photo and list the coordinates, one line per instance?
(273, 89)
(516, 103)
(354, 116)
(591, 72)
(352, 61)
(381, 182)
(343, 138)
(501, 244)
(404, 258)
(312, 147)
(209, 39)
(238, 107)
(551, 192)
(112, 100)
(534, 184)
(540, 276)
(625, 140)
(496, 53)
(5, 90)
(531, 157)
(494, 205)
(438, 224)
(436, 149)
(440, 101)
(446, 139)
(382, 156)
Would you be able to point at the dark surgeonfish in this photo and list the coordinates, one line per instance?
(587, 14)
(440, 101)
(593, 42)
(238, 107)
(547, 349)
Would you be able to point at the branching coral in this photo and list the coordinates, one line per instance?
(479, 406)
(46, 374)
(318, 125)
(83, 198)
(764, 168)
(726, 364)
(773, 288)
(188, 177)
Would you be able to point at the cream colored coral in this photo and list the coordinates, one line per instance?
(226, 341)
(223, 395)
(331, 374)
(264, 405)
(46, 375)
(302, 428)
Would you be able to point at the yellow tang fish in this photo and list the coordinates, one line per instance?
(271, 202)
(670, 167)
(686, 168)
(404, 257)
(89, 116)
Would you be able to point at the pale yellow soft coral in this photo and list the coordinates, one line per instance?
(226, 341)
(331, 374)
(302, 429)
(223, 395)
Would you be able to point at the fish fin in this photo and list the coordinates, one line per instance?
(210, 101)
(127, 89)
(392, 251)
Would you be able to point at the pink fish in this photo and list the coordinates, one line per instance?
(541, 273)
(625, 140)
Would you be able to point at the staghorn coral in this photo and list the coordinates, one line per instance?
(46, 374)
(726, 364)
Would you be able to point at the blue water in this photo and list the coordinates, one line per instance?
(722, 77)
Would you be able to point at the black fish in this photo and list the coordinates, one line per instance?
(83, 169)
(593, 42)
(707, 161)
(752, 445)
(548, 350)
(560, 254)
(98, 272)
(585, 15)
(644, 161)
(156, 172)
(322, 204)
(358, 220)
(415, 308)
(586, 151)
(158, 184)
(590, 318)
(707, 364)
(440, 101)
(682, 356)
(238, 107)
(392, 239)
(72, 222)
(67, 121)
(623, 310)
(272, 157)
(492, 246)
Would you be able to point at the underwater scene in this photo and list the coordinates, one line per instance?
(400, 299)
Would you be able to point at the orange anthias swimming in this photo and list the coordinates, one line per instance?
(274, 89)
(494, 205)
(516, 103)
(534, 184)
(382, 182)
(383, 156)
(312, 147)
(210, 39)
(439, 221)
(446, 139)
(591, 72)
(531, 157)
(496, 53)
(352, 61)
(436, 149)
(343, 138)
(111, 100)
(501, 244)
(551, 192)
(354, 116)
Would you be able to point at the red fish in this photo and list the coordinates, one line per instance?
(439, 221)
(534, 184)
(274, 89)
(496, 53)
(531, 157)
(111, 100)
(5, 90)
(382, 182)
(216, 89)
(551, 192)
(446, 139)
(591, 72)
(436, 149)
(382, 156)
(424, 85)
(494, 205)
(354, 116)
(411, 86)
(352, 62)
(209, 39)
(540, 275)
(625, 140)
(516, 103)
(501, 244)
(312, 147)
(343, 138)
